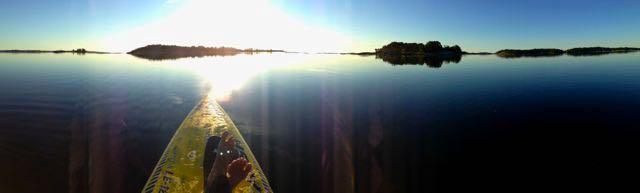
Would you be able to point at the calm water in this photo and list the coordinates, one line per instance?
(328, 123)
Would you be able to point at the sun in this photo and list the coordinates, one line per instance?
(235, 23)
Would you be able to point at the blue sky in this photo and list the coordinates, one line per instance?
(476, 25)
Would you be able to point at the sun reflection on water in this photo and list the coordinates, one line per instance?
(224, 75)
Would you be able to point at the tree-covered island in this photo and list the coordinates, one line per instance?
(433, 53)
(161, 52)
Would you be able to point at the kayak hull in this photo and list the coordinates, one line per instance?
(180, 168)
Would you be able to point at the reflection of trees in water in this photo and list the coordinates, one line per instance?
(175, 56)
(434, 61)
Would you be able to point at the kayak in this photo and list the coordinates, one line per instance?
(180, 168)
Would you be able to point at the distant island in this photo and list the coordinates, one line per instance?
(477, 53)
(546, 52)
(511, 53)
(433, 53)
(359, 53)
(590, 51)
(162, 52)
(75, 51)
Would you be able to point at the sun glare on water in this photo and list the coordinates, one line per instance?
(235, 23)
(224, 75)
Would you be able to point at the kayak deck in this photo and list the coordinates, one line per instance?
(180, 168)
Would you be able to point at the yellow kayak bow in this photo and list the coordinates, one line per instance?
(180, 168)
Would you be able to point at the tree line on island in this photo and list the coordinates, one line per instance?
(80, 51)
(162, 52)
(599, 51)
(430, 48)
(434, 49)
(433, 53)
(546, 52)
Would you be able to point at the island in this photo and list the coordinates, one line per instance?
(546, 52)
(433, 53)
(590, 51)
(477, 53)
(359, 53)
(539, 52)
(75, 51)
(431, 48)
(163, 52)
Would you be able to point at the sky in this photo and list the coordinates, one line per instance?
(317, 25)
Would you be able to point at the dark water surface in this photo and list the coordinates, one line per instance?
(329, 123)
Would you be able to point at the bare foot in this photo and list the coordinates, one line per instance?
(237, 171)
(225, 154)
